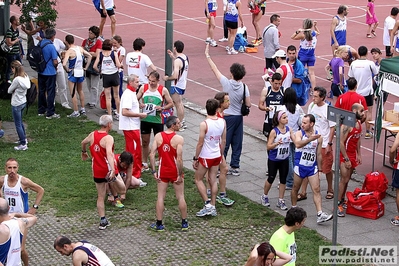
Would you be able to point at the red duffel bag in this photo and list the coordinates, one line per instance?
(376, 181)
(365, 204)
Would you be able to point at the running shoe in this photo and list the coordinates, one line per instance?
(184, 226)
(158, 228)
(324, 217)
(54, 116)
(232, 51)
(118, 204)
(395, 220)
(368, 135)
(142, 183)
(265, 200)
(281, 205)
(74, 114)
(145, 167)
(104, 224)
(233, 171)
(341, 211)
(207, 211)
(21, 147)
(224, 200)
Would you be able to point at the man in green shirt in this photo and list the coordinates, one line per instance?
(284, 238)
(154, 99)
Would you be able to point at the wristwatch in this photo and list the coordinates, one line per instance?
(35, 206)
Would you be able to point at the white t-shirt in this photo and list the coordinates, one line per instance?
(389, 23)
(322, 124)
(129, 101)
(362, 70)
(108, 4)
(138, 63)
(294, 120)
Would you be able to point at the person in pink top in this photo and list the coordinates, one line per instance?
(371, 19)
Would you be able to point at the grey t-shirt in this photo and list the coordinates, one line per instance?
(270, 40)
(235, 90)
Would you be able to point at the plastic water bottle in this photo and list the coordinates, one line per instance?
(241, 49)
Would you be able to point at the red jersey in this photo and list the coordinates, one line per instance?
(100, 164)
(91, 46)
(351, 143)
(346, 100)
(167, 157)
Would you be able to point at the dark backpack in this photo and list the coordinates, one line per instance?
(4, 91)
(36, 58)
(102, 57)
(31, 95)
(97, 4)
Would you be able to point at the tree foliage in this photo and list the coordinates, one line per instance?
(41, 10)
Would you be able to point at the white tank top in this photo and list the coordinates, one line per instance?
(108, 66)
(16, 197)
(14, 243)
(213, 137)
(181, 81)
(96, 256)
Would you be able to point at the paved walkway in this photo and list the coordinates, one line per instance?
(144, 248)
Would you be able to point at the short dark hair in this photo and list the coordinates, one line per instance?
(61, 241)
(351, 82)
(312, 119)
(126, 157)
(95, 30)
(154, 74)
(238, 71)
(220, 96)
(107, 45)
(322, 92)
(277, 76)
(394, 11)
(118, 39)
(274, 17)
(12, 19)
(138, 44)
(211, 106)
(362, 50)
(69, 39)
(170, 121)
(341, 9)
(295, 215)
(179, 45)
(291, 48)
(375, 50)
(50, 33)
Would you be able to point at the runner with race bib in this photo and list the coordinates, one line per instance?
(307, 163)
(278, 146)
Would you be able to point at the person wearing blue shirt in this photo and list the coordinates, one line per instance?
(47, 78)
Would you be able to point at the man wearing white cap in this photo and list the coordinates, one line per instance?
(285, 69)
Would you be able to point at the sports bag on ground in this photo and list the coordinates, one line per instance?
(376, 181)
(365, 204)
